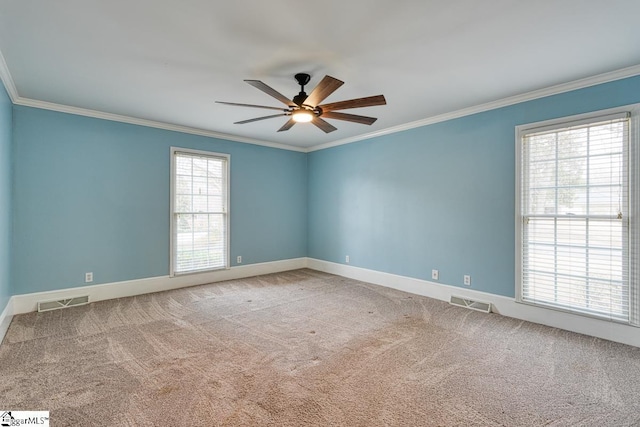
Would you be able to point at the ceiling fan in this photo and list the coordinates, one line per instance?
(305, 108)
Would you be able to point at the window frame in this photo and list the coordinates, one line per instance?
(172, 199)
(633, 185)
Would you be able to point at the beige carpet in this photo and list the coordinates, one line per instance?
(307, 348)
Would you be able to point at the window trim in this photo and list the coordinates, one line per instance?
(633, 201)
(172, 194)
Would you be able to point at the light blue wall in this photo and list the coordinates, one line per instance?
(436, 197)
(93, 195)
(5, 196)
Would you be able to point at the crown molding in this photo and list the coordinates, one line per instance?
(6, 78)
(16, 99)
(529, 96)
(149, 123)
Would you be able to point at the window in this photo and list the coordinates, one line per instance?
(576, 226)
(199, 211)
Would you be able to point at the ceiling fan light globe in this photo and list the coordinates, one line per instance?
(302, 116)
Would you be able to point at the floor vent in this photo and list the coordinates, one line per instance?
(62, 303)
(485, 307)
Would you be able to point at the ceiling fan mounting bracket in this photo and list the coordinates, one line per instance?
(302, 78)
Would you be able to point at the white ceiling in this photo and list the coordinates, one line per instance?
(168, 61)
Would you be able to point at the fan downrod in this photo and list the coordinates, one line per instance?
(302, 79)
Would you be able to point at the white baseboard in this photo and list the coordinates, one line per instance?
(505, 306)
(26, 303)
(29, 302)
(502, 305)
(5, 318)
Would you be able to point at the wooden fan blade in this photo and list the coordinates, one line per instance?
(259, 118)
(325, 126)
(251, 105)
(326, 87)
(349, 117)
(287, 125)
(270, 91)
(368, 101)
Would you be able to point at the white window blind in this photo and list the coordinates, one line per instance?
(574, 214)
(199, 211)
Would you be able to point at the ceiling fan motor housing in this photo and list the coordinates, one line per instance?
(299, 98)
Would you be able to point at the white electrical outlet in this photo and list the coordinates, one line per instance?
(88, 277)
(434, 274)
(467, 280)
(346, 259)
(239, 259)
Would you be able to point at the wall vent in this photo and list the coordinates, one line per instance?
(62, 303)
(485, 307)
